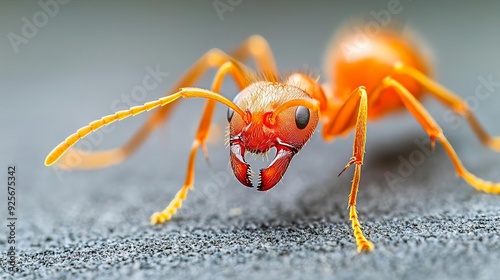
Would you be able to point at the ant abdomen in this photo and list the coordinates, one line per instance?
(358, 59)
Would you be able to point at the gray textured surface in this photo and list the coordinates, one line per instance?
(95, 224)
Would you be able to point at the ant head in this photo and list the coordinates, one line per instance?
(276, 115)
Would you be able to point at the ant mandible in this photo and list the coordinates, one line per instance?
(387, 74)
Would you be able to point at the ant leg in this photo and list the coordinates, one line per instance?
(357, 101)
(199, 141)
(435, 132)
(456, 103)
(341, 118)
(201, 135)
(257, 47)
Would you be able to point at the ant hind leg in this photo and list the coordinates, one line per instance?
(434, 131)
(451, 100)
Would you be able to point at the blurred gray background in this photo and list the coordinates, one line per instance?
(85, 57)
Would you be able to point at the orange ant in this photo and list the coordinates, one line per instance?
(387, 74)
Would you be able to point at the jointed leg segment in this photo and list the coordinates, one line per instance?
(343, 119)
(254, 46)
(258, 48)
(201, 136)
(454, 102)
(357, 101)
(435, 133)
(364, 245)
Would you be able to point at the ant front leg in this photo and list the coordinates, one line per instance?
(357, 101)
(165, 101)
(199, 141)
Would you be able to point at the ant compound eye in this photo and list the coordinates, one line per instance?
(230, 112)
(302, 115)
